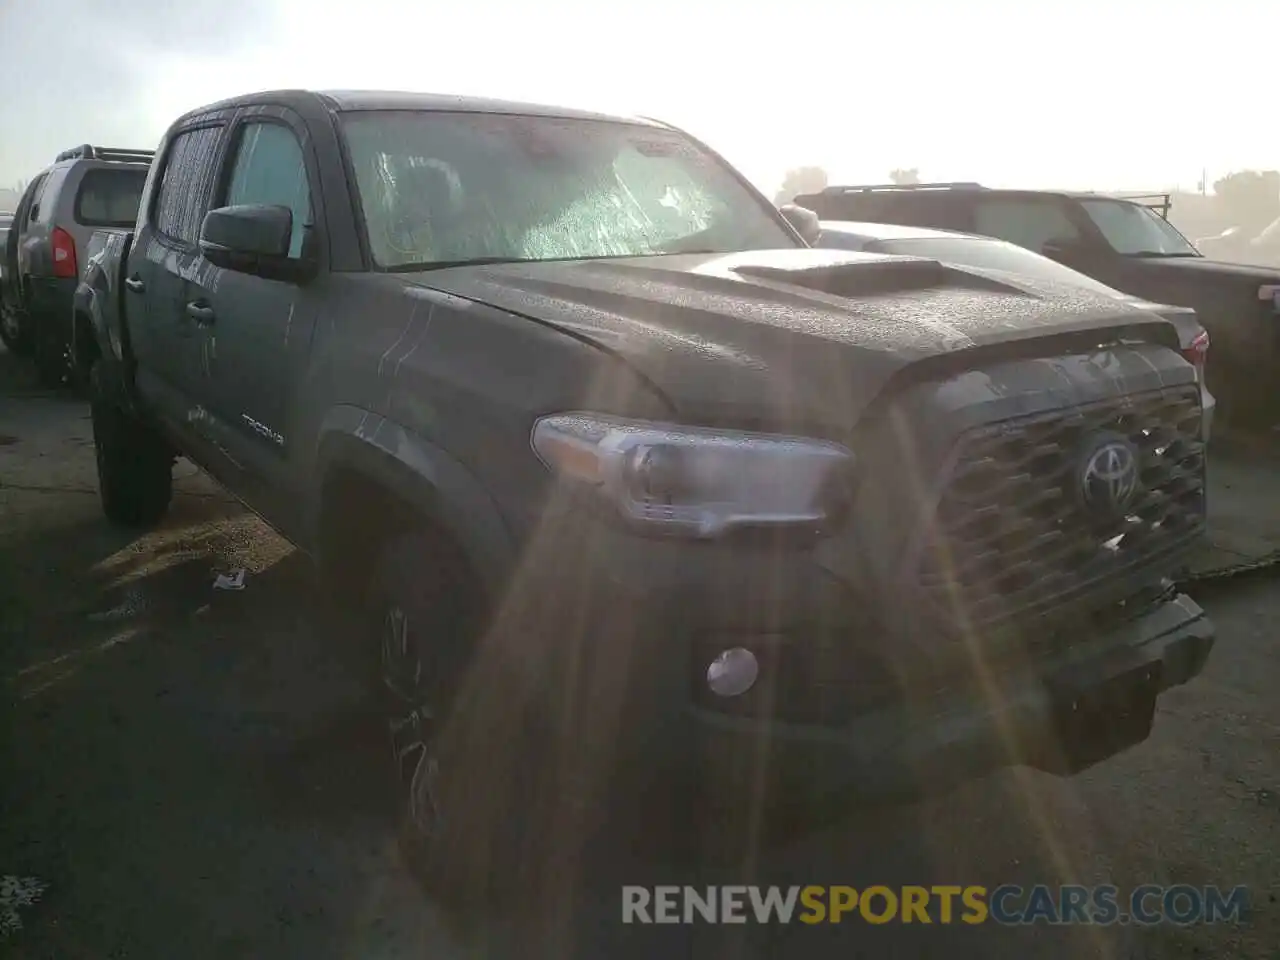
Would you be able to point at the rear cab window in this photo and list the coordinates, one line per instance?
(941, 209)
(109, 197)
(927, 208)
(183, 194)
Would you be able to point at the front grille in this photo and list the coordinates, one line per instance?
(1014, 536)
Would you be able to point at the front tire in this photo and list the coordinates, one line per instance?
(135, 465)
(478, 787)
(420, 628)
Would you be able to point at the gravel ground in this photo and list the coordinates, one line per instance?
(192, 774)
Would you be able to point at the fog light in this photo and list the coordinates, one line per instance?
(733, 673)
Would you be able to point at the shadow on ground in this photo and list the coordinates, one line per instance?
(179, 755)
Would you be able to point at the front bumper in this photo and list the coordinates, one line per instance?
(908, 748)
(845, 711)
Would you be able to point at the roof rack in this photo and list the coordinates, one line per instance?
(88, 151)
(868, 188)
(1162, 203)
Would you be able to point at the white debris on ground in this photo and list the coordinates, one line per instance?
(233, 581)
(15, 893)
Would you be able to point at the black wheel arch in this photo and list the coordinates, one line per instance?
(375, 478)
(99, 329)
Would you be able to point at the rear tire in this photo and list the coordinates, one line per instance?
(135, 465)
(15, 330)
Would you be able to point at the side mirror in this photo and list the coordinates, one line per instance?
(254, 239)
(803, 220)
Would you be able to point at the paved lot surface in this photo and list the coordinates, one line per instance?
(193, 775)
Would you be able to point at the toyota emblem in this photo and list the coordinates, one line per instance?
(1109, 475)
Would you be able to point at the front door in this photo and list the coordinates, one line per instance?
(255, 334)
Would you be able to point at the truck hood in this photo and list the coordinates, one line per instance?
(1184, 320)
(821, 331)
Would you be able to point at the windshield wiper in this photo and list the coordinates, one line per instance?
(684, 252)
(482, 261)
(444, 264)
(1160, 254)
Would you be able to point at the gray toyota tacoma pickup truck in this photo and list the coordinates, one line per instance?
(636, 487)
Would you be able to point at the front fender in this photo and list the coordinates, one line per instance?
(422, 475)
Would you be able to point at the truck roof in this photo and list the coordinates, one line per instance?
(344, 100)
(972, 186)
(1160, 202)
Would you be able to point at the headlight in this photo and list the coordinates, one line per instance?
(693, 481)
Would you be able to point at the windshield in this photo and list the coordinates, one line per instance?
(993, 255)
(1135, 230)
(439, 188)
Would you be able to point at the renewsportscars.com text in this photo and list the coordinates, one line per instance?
(1009, 904)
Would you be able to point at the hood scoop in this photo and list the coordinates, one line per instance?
(894, 275)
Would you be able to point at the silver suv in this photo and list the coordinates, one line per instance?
(87, 188)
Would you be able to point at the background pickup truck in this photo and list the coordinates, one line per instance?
(1125, 243)
(646, 502)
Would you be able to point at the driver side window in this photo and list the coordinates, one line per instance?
(270, 169)
(1028, 223)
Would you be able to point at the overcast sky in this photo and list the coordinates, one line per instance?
(1092, 93)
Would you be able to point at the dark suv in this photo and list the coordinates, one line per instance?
(647, 506)
(1126, 243)
(11, 333)
(86, 188)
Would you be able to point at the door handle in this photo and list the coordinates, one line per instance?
(200, 312)
(136, 284)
